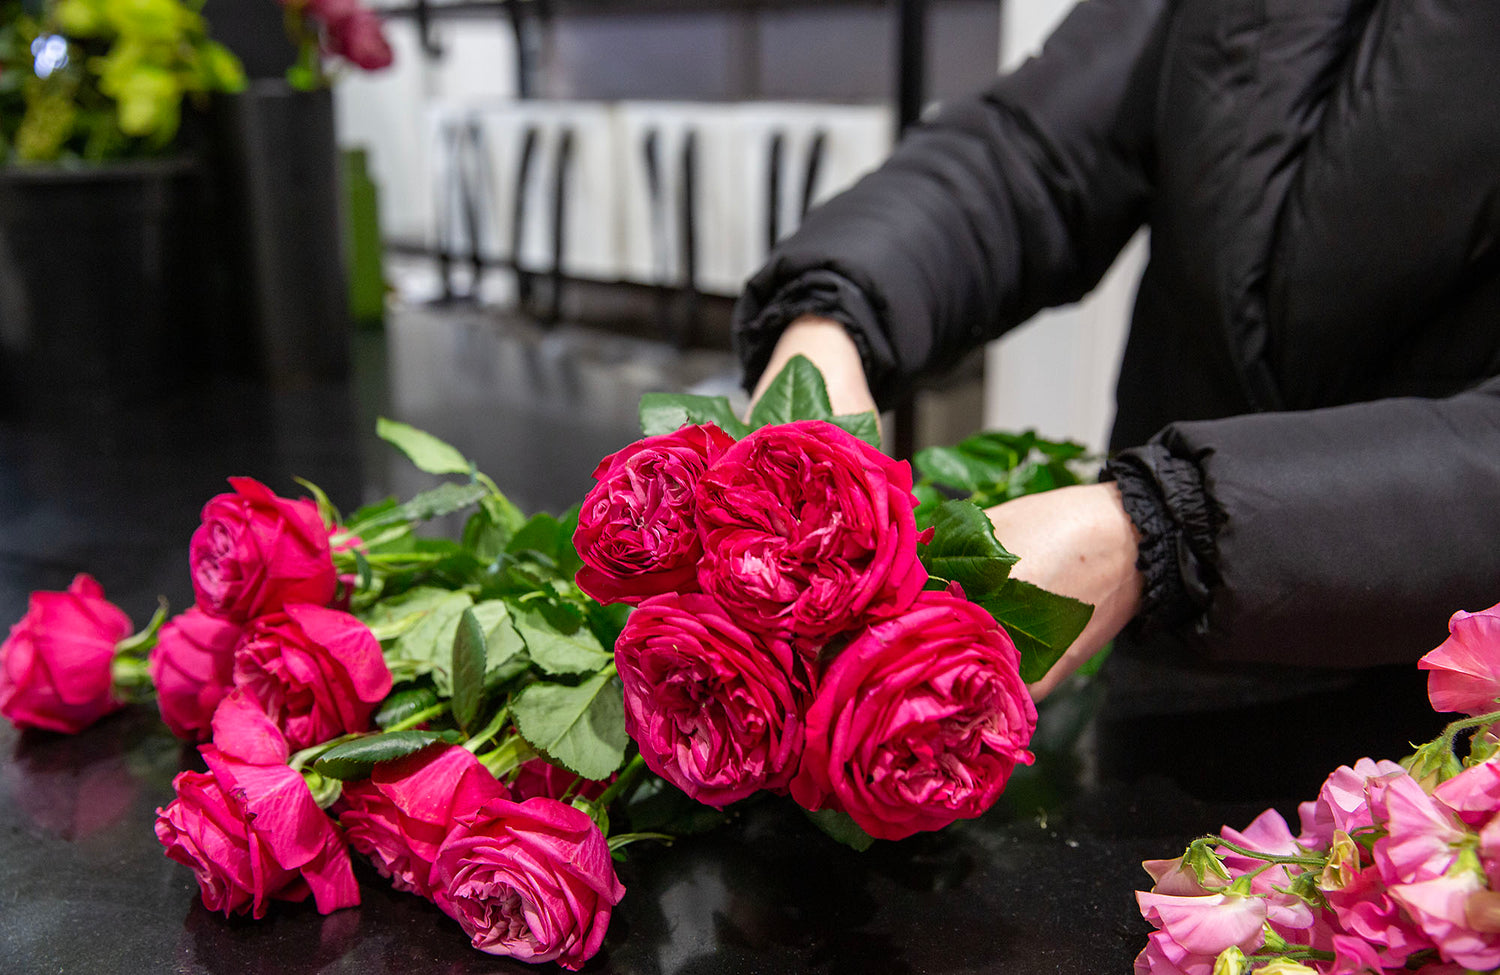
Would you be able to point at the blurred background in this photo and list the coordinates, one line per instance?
(232, 233)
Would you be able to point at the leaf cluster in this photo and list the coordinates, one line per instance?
(100, 80)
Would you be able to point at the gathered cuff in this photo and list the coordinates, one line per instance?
(824, 293)
(1166, 500)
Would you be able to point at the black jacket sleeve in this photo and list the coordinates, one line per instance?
(998, 206)
(1341, 537)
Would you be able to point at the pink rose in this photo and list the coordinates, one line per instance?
(55, 665)
(636, 532)
(716, 711)
(809, 530)
(400, 815)
(1465, 668)
(192, 667)
(532, 880)
(256, 552)
(360, 39)
(249, 828)
(317, 672)
(539, 777)
(918, 722)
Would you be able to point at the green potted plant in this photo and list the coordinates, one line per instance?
(101, 191)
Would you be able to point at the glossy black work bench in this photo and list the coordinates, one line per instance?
(1042, 884)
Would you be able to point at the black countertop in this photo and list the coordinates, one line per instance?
(1041, 884)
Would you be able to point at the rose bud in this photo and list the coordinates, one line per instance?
(360, 39)
(808, 531)
(531, 880)
(192, 667)
(715, 710)
(255, 552)
(636, 533)
(918, 722)
(55, 667)
(317, 672)
(401, 814)
(249, 828)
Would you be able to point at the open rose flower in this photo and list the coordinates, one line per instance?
(317, 672)
(401, 814)
(636, 532)
(1465, 668)
(255, 552)
(808, 530)
(192, 667)
(532, 880)
(918, 722)
(249, 828)
(715, 709)
(55, 667)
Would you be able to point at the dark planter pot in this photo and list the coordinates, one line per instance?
(103, 273)
(289, 298)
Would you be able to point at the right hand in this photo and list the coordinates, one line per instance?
(828, 345)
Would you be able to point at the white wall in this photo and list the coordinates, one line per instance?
(1057, 372)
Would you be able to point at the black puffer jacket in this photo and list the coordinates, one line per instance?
(1315, 344)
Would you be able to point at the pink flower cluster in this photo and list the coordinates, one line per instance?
(782, 639)
(1396, 867)
(349, 30)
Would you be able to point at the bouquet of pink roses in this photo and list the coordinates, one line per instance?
(795, 632)
(477, 716)
(1396, 867)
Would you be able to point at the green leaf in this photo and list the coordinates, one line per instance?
(491, 528)
(839, 826)
(356, 759)
(581, 728)
(865, 426)
(326, 510)
(539, 535)
(469, 657)
(797, 393)
(964, 550)
(665, 412)
(568, 562)
(559, 642)
(424, 450)
(390, 618)
(427, 644)
(928, 498)
(501, 640)
(441, 500)
(402, 704)
(962, 470)
(1042, 624)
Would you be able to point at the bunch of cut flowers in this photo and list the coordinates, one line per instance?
(1395, 867)
(755, 609)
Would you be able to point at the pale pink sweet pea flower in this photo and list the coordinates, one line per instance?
(1206, 925)
(1474, 793)
(1163, 956)
(1423, 835)
(1465, 668)
(1342, 803)
(1364, 908)
(1439, 905)
(1269, 833)
(1173, 877)
(1354, 956)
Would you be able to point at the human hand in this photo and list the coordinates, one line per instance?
(1077, 541)
(829, 347)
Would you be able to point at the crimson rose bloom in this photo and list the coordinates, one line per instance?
(532, 880)
(192, 667)
(808, 530)
(317, 672)
(360, 38)
(539, 777)
(249, 828)
(55, 665)
(918, 722)
(400, 815)
(716, 711)
(636, 533)
(255, 552)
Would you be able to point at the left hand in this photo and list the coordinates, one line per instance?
(1077, 541)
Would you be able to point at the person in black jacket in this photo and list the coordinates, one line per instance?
(1305, 462)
